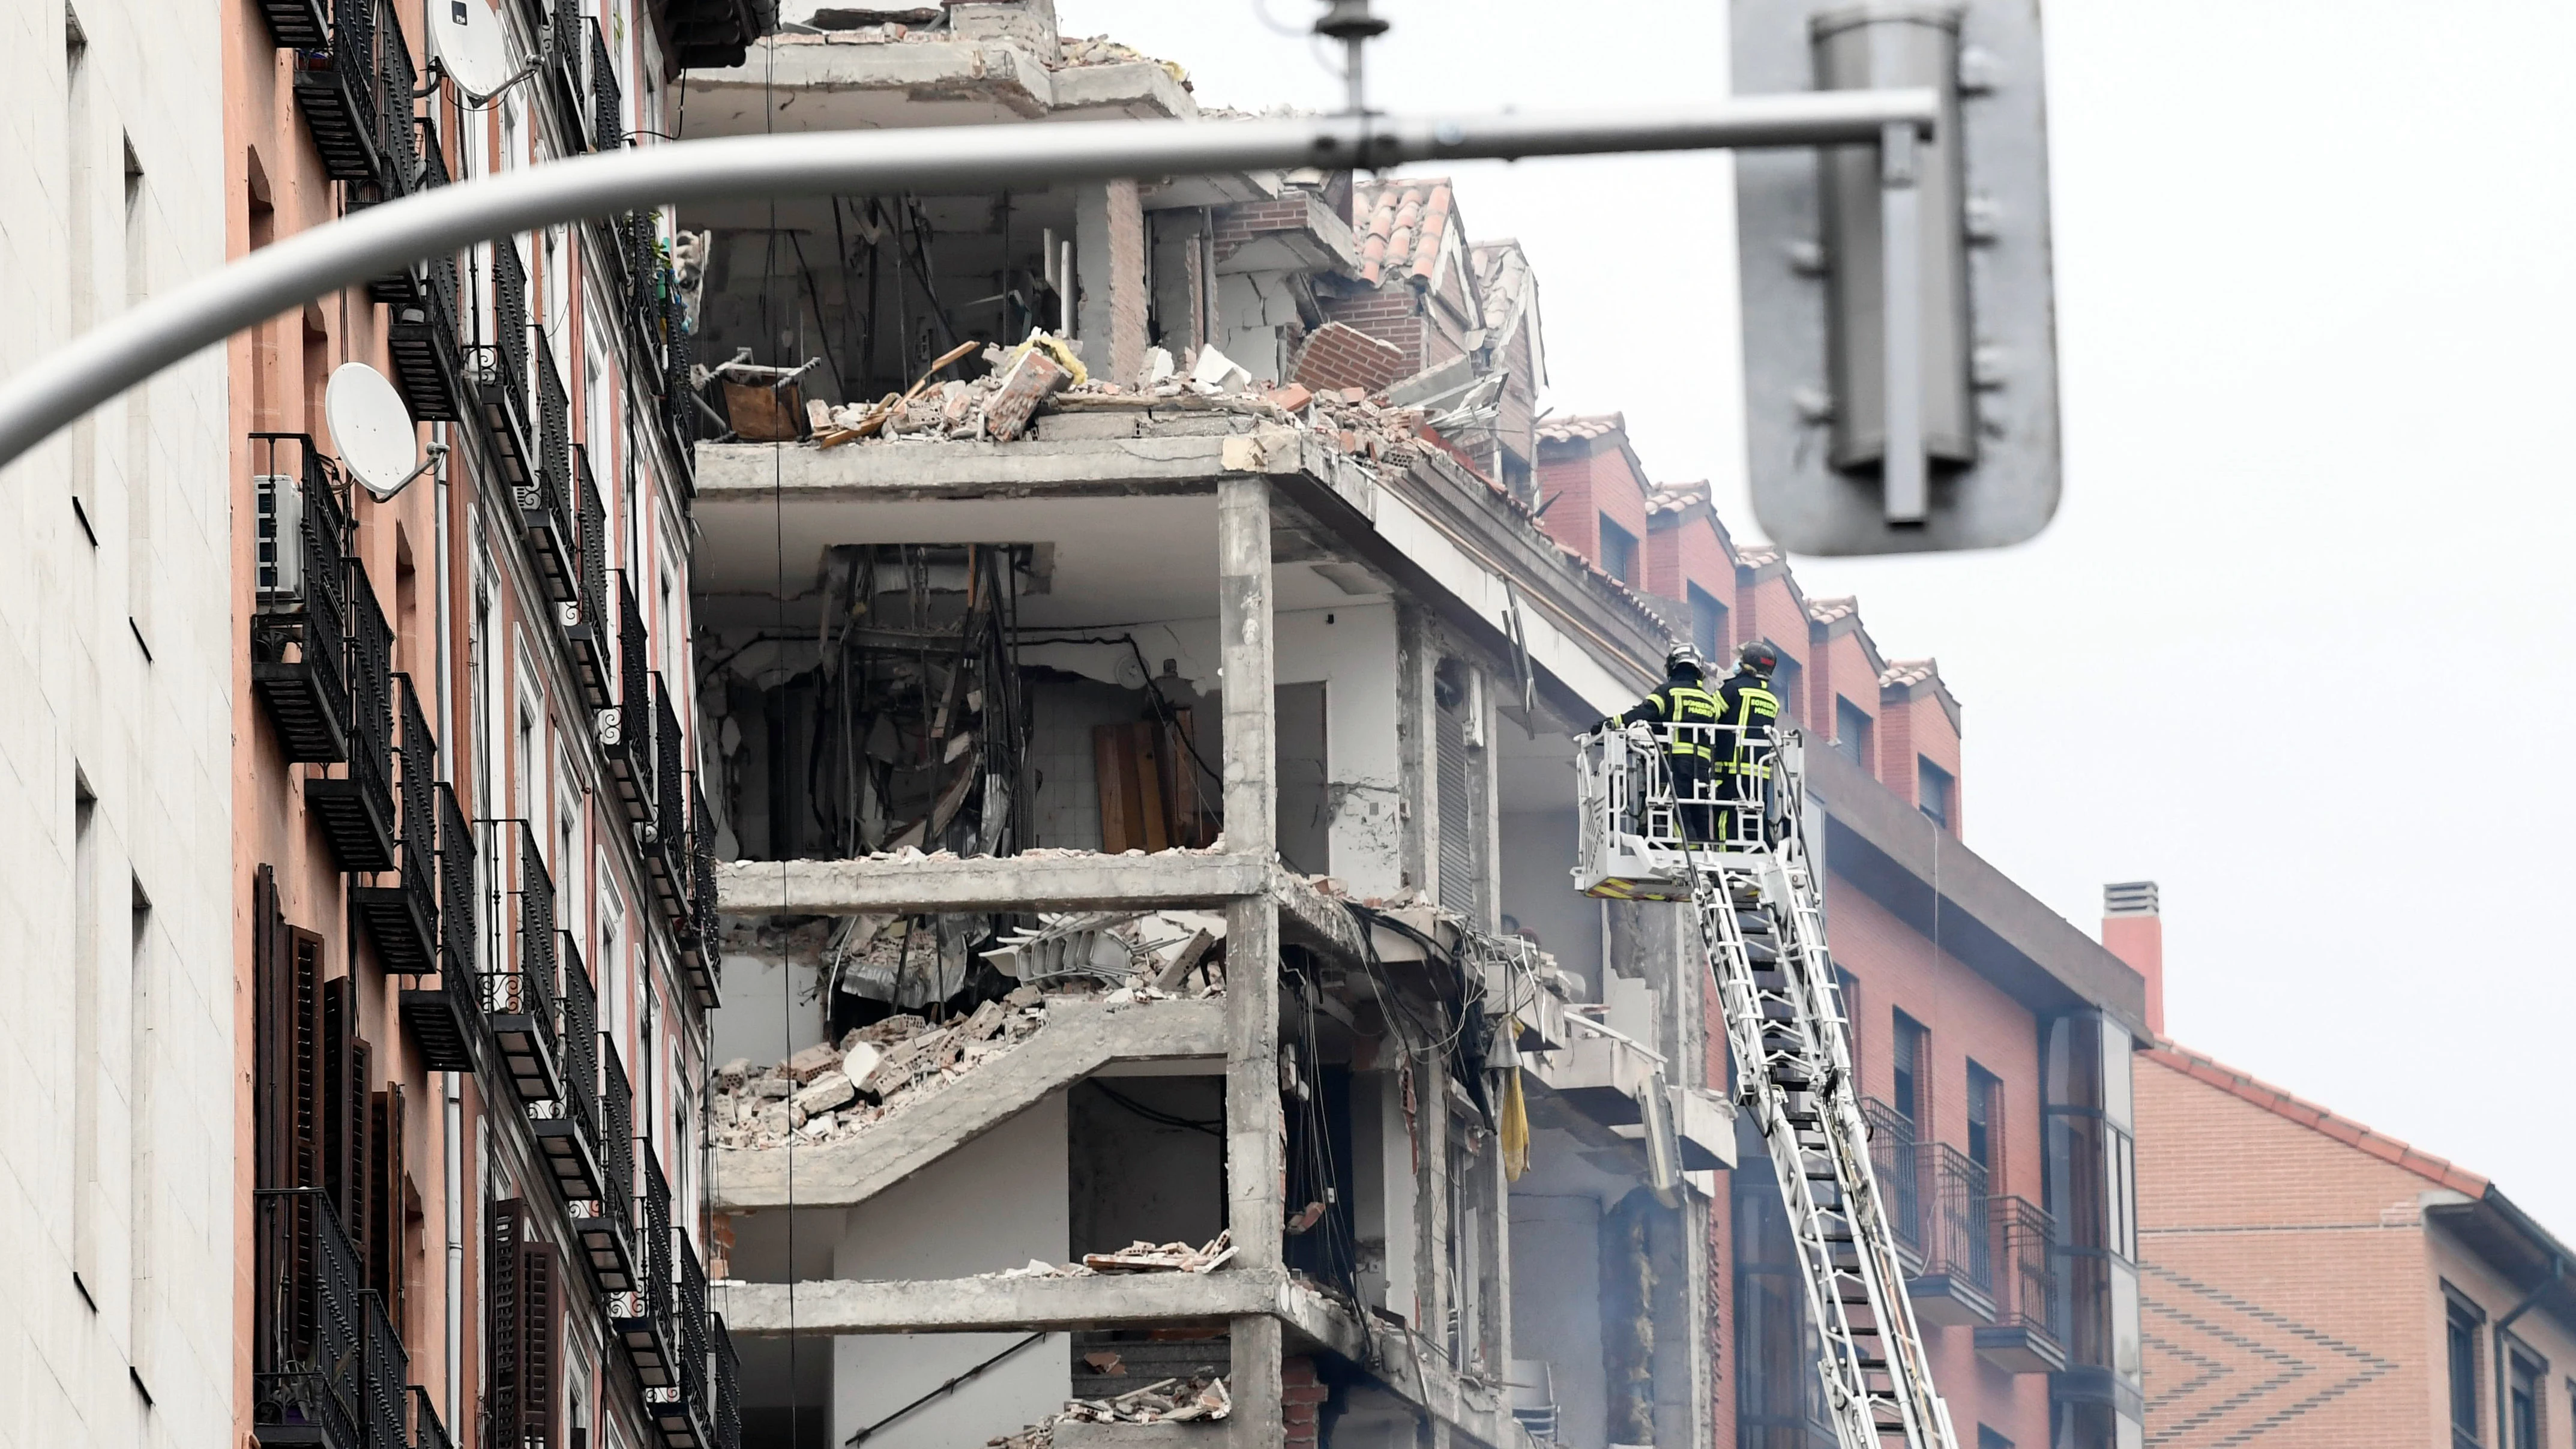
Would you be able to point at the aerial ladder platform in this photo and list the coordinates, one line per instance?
(1739, 859)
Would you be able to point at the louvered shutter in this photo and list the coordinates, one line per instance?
(502, 1311)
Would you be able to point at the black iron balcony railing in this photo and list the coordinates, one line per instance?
(683, 1411)
(644, 285)
(299, 622)
(566, 47)
(383, 1396)
(2027, 1335)
(666, 858)
(586, 620)
(702, 944)
(728, 1371)
(501, 368)
(341, 92)
(519, 989)
(298, 24)
(626, 731)
(641, 1316)
(315, 1349)
(446, 1020)
(607, 98)
(356, 807)
(568, 1131)
(422, 339)
(1955, 1282)
(679, 357)
(426, 1430)
(608, 1232)
(545, 496)
(403, 916)
(1897, 1160)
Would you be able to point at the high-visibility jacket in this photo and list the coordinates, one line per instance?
(1746, 705)
(1680, 701)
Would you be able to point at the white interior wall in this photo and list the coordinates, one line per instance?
(1383, 1192)
(769, 1010)
(1352, 649)
(1538, 890)
(995, 1203)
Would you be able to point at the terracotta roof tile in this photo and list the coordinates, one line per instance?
(1582, 430)
(1826, 611)
(1669, 497)
(1903, 672)
(1755, 555)
(1401, 220)
(2438, 1170)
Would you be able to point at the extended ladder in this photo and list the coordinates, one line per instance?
(1761, 920)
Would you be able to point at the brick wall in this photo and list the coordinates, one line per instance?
(1301, 1399)
(1843, 671)
(1127, 300)
(1236, 225)
(2288, 1296)
(1593, 484)
(1924, 732)
(1391, 315)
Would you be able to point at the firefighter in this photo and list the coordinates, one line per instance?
(1684, 700)
(1749, 713)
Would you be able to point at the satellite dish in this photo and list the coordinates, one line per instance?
(371, 428)
(466, 39)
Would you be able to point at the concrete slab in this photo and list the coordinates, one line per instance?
(1068, 882)
(1077, 1041)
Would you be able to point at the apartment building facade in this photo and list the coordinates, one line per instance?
(465, 871)
(118, 1031)
(2307, 1280)
(1993, 1039)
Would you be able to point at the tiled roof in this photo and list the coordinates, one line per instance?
(1905, 672)
(1504, 279)
(1826, 611)
(2440, 1171)
(1401, 222)
(1582, 430)
(1669, 497)
(1755, 555)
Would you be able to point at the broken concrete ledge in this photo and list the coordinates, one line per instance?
(899, 885)
(1046, 1305)
(1078, 1040)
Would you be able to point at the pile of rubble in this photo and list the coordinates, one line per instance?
(830, 1091)
(1047, 373)
(1198, 1398)
(1137, 1257)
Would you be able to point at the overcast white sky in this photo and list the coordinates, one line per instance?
(2298, 643)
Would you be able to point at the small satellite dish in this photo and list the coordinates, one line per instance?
(371, 429)
(466, 35)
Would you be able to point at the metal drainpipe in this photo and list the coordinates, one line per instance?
(452, 1125)
(2504, 1383)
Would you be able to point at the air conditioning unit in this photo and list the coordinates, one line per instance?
(280, 560)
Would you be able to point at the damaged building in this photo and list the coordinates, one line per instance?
(1138, 630)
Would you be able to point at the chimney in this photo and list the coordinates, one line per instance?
(2133, 929)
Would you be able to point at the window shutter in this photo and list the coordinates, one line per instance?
(1457, 813)
(501, 1320)
(386, 1238)
(304, 1036)
(537, 1296)
(522, 1299)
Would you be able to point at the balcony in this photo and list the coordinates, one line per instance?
(641, 1316)
(607, 98)
(403, 917)
(706, 33)
(356, 807)
(568, 1134)
(446, 1020)
(519, 993)
(666, 853)
(626, 731)
(702, 945)
(567, 46)
(586, 621)
(728, 1370)
(428, 366)
(1895, 1159)
(327, 1368)
(544, 495)
(2026, 1336)
(297, 24)
(426, 1430)
(341, 94)
(684, 1412)
(608, 1231)
(299, 622)
(1955, 1282)
(501, 369)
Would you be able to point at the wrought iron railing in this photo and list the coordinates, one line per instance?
(580, 1041)
(626, 732)
(309, 1323)
(689, 1310)
(728, 1369)
(607, 99)
(299, 624)
(397, 129)
(617, 1137)
(670, 813)
(403, 917)
(519, 985)
(2026, 1286)
(341, 95)
(382, 1398)
(357, 809)
(457, 955)
(1959, 1237)
(427, 1432)
(1896, 1158)
(594, 545)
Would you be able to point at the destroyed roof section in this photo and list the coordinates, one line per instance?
(1035, 881)
(871, 78)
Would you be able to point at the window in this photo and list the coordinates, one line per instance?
(1787, 681)
(1618, 551)
(1985, 1118)
(1936, 789)
(1989, 1439)
(2522, 1400)
(1708, 624)
(1852, 726)
(2463, 1355)
(1912, 1055)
